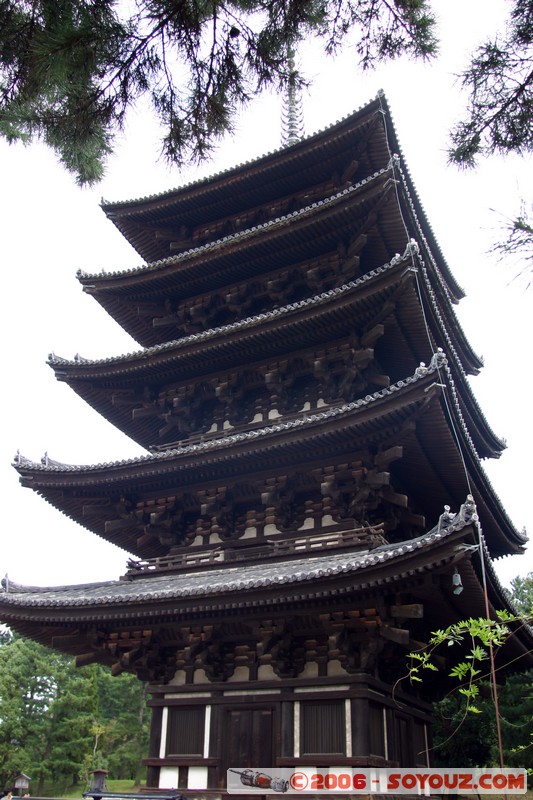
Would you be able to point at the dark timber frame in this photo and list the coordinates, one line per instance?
(314, 477)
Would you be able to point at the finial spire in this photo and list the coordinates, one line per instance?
(292, 115)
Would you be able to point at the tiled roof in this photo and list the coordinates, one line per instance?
(262, 446)
(122, 210)
(241, 236)
(307, 419)
(169, 195)
(229, 579)
(248, 323)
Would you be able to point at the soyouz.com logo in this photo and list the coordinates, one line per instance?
(377, 781)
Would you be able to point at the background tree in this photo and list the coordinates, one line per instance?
(499, 117)
(57, 722)
(71, 69)
(45, 714)
(516, 246)
(464, 739)
(499, 84)
(521, 594)
(122, 713)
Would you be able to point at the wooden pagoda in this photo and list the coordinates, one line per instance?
(312, 504)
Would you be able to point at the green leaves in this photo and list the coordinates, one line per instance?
(58, 722)
(458, 740)
(499, 83)
(475, 638)
(70, 70)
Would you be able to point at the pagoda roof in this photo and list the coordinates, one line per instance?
(55, 616)
(368, 134)
(238, 186)
(208, 586)
(416, 410)
(233, 338)
(284, 240)
(194, 265)
(306, 324)
(280, 243)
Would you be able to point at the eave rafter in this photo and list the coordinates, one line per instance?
(387, 417)
(134, 515)
(248, 255)
(282, 173)
(184, 238)
(125, 392)
(153, 630)
(365, 296)
(243, 398)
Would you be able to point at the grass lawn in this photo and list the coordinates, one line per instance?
(112, 786)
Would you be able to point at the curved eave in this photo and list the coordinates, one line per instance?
(234, 587)
(280, 243)
(412, 412)
(318, 229)
(276, 174)
(414, 202)
(441, 316)
(436, 434)
(486, 442)
(438, 301)
(63, 617)
(240, 340)
(307, 323)
(304, 155)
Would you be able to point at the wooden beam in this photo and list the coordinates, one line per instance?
(68, 640)
(418, 520)
(119, 524)
(392, 454)
(369, 338)
(86, 658)
(396, 498)
(95, 509)
(119, 399)
(397, 635)
(407, 611)
(357, 244)
(349, 171)
(146, 411)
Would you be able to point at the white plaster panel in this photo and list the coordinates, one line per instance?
(197, 778)
(168, 778)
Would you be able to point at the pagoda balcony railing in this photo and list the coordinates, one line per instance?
(207, 436)
(358, 539)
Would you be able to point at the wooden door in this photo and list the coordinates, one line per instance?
(247, 740)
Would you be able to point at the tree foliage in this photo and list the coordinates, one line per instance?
(499, 116)
(71, 69)
(123, 720)
(57, 722)
(499, 84)
(522, 594)
(45, 714)
(463, 738)
(516, 244)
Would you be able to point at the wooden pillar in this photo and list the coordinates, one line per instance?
(360, 730)
(287, 729)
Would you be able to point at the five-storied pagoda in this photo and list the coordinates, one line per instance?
(312, 503)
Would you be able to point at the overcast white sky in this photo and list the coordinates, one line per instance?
(50, 228)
